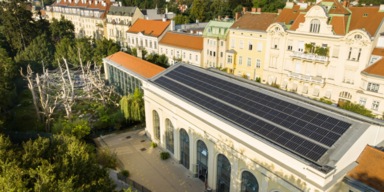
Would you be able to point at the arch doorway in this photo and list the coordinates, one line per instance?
(170, 138)
(249, 182)
(223, 174)
(202, 160)
(184, 148)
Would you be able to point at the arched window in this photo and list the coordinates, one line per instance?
(170, 138)
(184, 148)
(315, 26)
(249, 182)
(156, 124)
(345, 95)
(223, 174)
(202, 160)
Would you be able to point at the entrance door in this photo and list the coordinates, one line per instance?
(223, 174)
(184, 148)
(202, 160)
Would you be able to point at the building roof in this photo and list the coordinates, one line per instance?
(343, 19)
(222, 24)
(376, 68)
(251, 21)
(183, 40)
(137, 65)
(123, 11)
(149, 27)
(370, 170)
(87, 5)
(295, 125)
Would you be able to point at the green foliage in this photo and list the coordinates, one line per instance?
(198, 10)
(86, 50)
(152, 58)
(134, 52)
(132, 106)
(25, 102)
(237, 9)
(41, 49)
(357, 108)
(62, 50)
(309, 48)
(104, 48)
(274, 85)
(164, 155)
(81, 131)
(324, 100)
(162, 61)
(78, 128)
(269, 5)
(143, 53)
(369, 2)
(258, 79)
(180, 19)
(244, 76)
(125, 173)
(153, 145)
(106, 157)
(127, 190)
(60, 164)
(322, 51)
(61, 29)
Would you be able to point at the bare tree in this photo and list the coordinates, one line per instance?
(31, 87)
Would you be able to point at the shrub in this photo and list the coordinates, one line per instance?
(25, 102)
(125, 173)
(324, 100)
(258, 79)
(164, 155)
(275, 85)
(153, 144)
(106, 157)
(357, 108)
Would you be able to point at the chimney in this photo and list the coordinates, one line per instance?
(219, 17)
(227, 17)
(254, 9)
(172, 25)
(120, 4)
(259, 10)
(381, 7)
(197, 21)
(164, 19)
(245, 9)
(279, 11)
(345, 3)
(237, 16)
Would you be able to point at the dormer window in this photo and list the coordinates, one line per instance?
(209, 30)
(315, 26)
(277, 29)
(365, 15)
(295, 11)
(291, 22)
(358, 37)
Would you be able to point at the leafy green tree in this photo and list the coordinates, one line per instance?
(86, 50)
(224, 11)
(269, 5)
(198, 10)
(152, 58)
(134, 52)
(19, 27)
(104, 48)
(132, 106)
(7, 73)
(238, 9)
(180, 19)
(61, 29)
(62, 50)
(41, 49)
(373, 2)
(61, 163)
(162, 61)
(357, 108)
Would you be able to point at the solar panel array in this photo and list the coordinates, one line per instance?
(257, 112)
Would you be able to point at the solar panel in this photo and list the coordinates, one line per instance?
(270, 107)
(251, 124)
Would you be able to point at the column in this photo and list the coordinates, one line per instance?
(148, 122)
(234, 179)
(176, 133)
(191, 149)
(264, 184)
(211, 164)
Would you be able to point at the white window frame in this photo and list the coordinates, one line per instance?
(249, 62)
(258, 63)
(375, 105)
(241, 44)
(259, 46)
(250, 45)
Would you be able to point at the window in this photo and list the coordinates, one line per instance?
(150, 44)
(156, 124)
(166, 51)
(222, 43)
(365, 15)
(373, 87)
(221, 54)
(316, 91)
(345, 95)
(154, 45)
(229, 59)
(335, 51)
(348, 76)
(380, 42)
(233, 41)
(248, 76)
(315, 26)
(161, 51)
(374, 59)
(328, 93)
(249, 62)
(239, 74)
(358, 37)
(171, 52)
(290, 42)
(301, 46)
(362, 101)
(184, 55)
(241, 44)
(190, 56)
(259, 46)
(375, 105)
(146, 43)
(177, 54)
(214, 42)
(258, 63)
(214, 53)
(240, 60)
(210, 42)
(291, 22)
(197, 58)
(350, 53)
(210, 53)
(250, 45)
(170, 137)
(358, 55)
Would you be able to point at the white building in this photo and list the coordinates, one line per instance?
(246, 136)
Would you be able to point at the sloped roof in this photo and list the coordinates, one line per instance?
(337, 7)
(137, 65)
(339, 24)
(183, 40)
(149, 27)
(252, 21)
(378, 67)
(370, 23)
(370, 170)
(296, 23)
(86, 5)
(289, 14)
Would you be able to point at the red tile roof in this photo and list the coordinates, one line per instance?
(378, 67)
(253, 21)
(296, 23)
(289, 14)
(370, 170)
(93, 5)
(149, 27)
(339, 24)
(137, 65)
(370, 23)
(183, 41)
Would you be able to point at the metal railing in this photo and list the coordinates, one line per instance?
(310, 56)
(132, 183)
(308, 78)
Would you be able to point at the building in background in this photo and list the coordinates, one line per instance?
(193, 28)
(182, 7)
(128, 72)
(157, 14)
(247, 41)
(87, 16)
(182, 47)
(320, 51)
(119, 20)
(215, 42)
(240, 135)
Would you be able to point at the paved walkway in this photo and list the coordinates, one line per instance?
(146, 167)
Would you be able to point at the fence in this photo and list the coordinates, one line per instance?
(133, 184)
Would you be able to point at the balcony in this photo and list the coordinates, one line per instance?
(310, 57)
(307, 78)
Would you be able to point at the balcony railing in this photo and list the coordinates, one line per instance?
(308, 78)
(310, 56)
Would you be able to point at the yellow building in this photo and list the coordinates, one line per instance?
(247, 44)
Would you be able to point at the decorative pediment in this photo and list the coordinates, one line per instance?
(357, 38)
(318, 12)
(277, 30)
(316, 17)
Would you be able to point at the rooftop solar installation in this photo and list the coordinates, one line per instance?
(303, 131)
